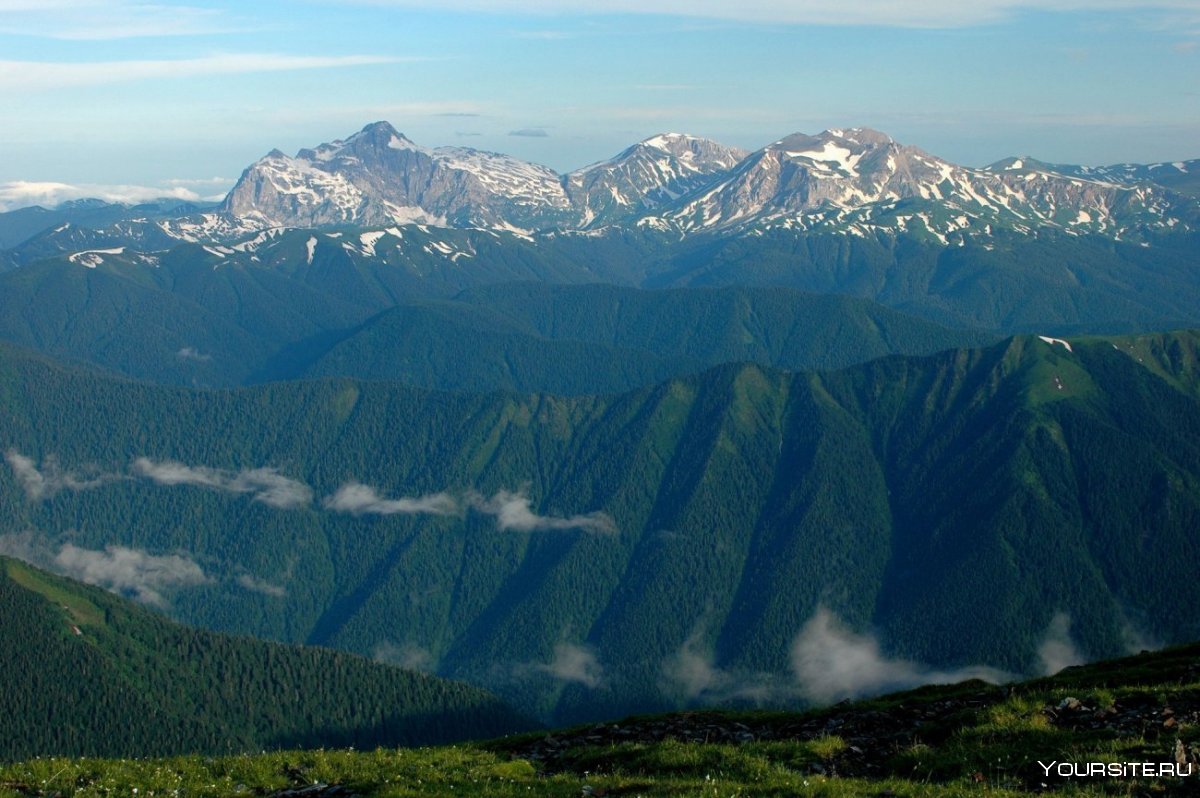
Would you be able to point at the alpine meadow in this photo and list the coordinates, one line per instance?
(401, 466)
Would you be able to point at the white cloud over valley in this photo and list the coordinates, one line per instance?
(42, 483)
(266, 485)
(359, 499)
(145, 577)
(830, 663)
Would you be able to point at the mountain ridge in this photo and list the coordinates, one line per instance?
(90, 674)
(681, 182)
(601, 554)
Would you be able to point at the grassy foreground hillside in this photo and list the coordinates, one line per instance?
(86, 672)
(967, 739)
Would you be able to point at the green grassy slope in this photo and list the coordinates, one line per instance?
(968, 739)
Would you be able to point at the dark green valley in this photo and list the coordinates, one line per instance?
(1012, 508)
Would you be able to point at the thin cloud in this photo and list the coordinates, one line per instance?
(574, 664)
(199, 181)
(530, 132)
(513, 511)
(42, 483)
(828, 663)
(407, 655)
(142, 576)
(359, 499)
(690, 675)
(691, 671)
(543, 35)
(190, 353)
(571, 664)
(256, 585)
(875, 13)
(32, 76)
(99, 20)
(266, 485)
(1057, 650)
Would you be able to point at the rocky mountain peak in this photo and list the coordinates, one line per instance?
(844, 179)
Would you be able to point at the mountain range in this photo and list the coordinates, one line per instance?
(642, 436)
(854, 181)
(859, 181)
(363, 224)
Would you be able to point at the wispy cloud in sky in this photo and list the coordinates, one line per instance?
(116, 92)
(892, 13)
(31, 76)
(99, 20)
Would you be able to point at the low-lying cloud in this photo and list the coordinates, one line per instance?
(831, 663)
(690, 670)
(257, 585)
(359, 499)
(828, 663)
(1057, 650)
(266, 485)
(691, 674)
(191, 353)
(42, 483)
(575, 664)
(512, 510)
(131, 572)
(406, 655)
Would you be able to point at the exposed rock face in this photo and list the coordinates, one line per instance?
(856, 179)
(648, 175)
(855, 182)
(379, 177)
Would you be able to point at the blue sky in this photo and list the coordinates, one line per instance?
(127, 98)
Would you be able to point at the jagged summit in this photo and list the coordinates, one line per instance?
(854, 181)
(647, 175)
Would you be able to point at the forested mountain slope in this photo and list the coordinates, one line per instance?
(691, 541)
(87, 673)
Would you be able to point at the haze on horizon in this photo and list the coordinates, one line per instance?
(129, 100)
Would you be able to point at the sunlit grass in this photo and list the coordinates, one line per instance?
(988, 742)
